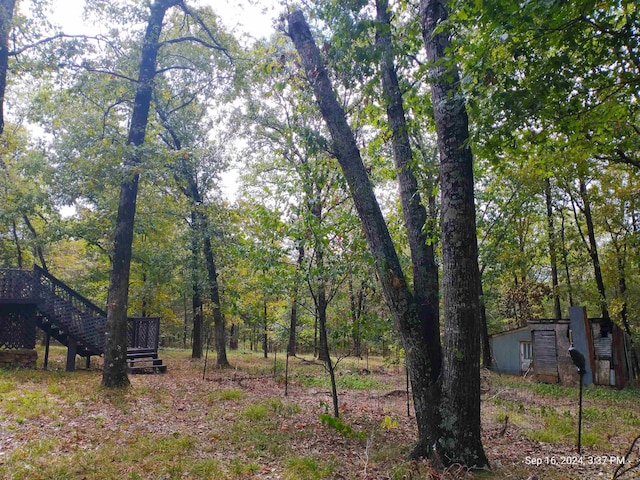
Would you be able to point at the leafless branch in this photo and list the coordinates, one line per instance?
(176, 67)
(42, 41)
(215, 44)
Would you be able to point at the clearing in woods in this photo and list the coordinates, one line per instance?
(238, 423)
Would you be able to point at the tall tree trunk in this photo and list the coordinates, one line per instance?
(424, 269)
(214, 292)
(399, 298)
(324, 347)
(37, 247)
(114, 373)
(356, 312)
(321, 305)
(186, 179)
(414, 214)
(16, 240)
(196, 298)
(196, 333)
(6, 19)
(460, 440)
(593, 248)
(487, 359)
(320, 293)
(557, 309)
(293, 321)
(186, 322)
(565, 259)
(265, 335)
(622, 291)
(234, 336)
(315, 333)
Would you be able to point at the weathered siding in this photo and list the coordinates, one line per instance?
(505, 348)
(552, 362)
(545, 355)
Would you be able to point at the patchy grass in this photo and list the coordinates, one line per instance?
(238, 424)
(349, 381)
(307, 468)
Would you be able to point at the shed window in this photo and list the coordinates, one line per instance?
(526, 351)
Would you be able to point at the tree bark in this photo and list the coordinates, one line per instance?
(234, 336)
(395, 288)
(487, 359)
(196, 299)
(36, 241)
(356, 307)
(114, 373)
(460, 440)
(186, 179)
(565, 259)
(414, 214)
(265, 335)
(593, 248)
(553, 258)
(293, 320)
(214, 292)
(320, 293)
(622, 291)
(6, 18)
(16, 240)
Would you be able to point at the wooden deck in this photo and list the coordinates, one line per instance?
(30, 299)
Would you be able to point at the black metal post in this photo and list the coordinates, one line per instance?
(580, 414)
(46, 347)
(580, 362)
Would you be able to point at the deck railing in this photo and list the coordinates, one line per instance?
(65, 308)
(17, 286)
(80, 317)
(144, 332)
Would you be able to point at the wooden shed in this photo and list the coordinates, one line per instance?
(542, 348)
(512, 351)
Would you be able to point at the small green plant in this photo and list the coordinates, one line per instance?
(267, 408)
(256, 412)
(232, 394)
(388, 423)
(307, 468)
(281, 408)
(341, 427)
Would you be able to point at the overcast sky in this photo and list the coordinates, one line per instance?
(244, 16)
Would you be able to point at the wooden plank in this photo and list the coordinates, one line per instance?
(545, 355)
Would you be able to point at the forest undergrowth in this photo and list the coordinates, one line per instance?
(237, 423)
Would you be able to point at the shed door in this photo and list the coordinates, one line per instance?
(526, 356)
(545, 355)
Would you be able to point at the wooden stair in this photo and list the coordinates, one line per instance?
(38, 299)
(144, 360)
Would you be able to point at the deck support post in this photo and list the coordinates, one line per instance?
(47, 341)
(71, 355)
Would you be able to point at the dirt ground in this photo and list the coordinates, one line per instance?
(181, 404)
